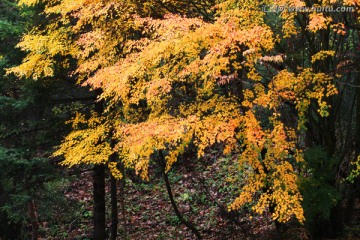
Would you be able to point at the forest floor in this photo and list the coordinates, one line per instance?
(202, 191)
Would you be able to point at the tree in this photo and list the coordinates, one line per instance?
(222, 73)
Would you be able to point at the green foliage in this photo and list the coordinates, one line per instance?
(31, 124)
(23, 180)
(173, 220)
(355, 172)
(317, 187)
(11, 21)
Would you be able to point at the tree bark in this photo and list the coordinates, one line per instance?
(357, 119)
(122, 201)
(99, 202)
(114, 210)
(34, 220)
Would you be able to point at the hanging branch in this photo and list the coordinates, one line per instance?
(188, 224)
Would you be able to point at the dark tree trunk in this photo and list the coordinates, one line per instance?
(99, 202)
(34, 220)
(122, 201)
(351, 190)
(99, 188)
(114, 210)
(357, 120)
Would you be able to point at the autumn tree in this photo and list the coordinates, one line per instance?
(261, 85)
(326, 39)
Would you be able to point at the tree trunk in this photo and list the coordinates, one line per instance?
(357, 120)
(122, 201)
(114, 210)
(34, 220)
(99, 202)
